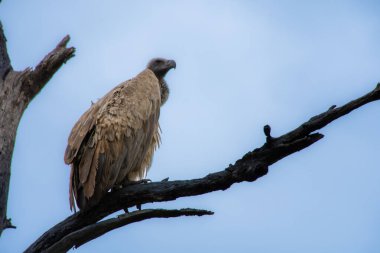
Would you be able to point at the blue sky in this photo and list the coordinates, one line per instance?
(240, 65)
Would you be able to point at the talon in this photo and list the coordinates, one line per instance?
(116, 188)
(145, 181)
(165, 179)
(138, 206)
(142, 181)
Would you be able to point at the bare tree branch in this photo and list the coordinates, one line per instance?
(323, 119)
(251, 166)
(47, 67)
(84, 235)
(17, 89)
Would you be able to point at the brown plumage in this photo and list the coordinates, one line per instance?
(114, 140)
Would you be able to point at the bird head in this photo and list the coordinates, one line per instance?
(161, 66)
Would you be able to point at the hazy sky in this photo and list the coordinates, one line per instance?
(240, 65)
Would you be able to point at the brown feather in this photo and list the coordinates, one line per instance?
(115, 139)
(85, 164)
(80, 130)
(71, 193)
(89, 184)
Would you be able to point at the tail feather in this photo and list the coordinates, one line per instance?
(71, 192)
(76, 191)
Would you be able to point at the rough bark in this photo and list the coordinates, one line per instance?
(251, 166)
(17, 89)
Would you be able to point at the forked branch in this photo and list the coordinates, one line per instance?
(17, 89)
(251, 166)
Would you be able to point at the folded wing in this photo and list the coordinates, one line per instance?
(113, 140)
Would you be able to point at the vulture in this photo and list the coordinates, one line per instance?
(113, 142)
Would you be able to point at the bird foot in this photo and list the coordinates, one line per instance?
(142, 181)
(116, 188)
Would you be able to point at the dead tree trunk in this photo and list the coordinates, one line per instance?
(17, 89)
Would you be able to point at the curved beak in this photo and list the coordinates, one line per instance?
(171, 64)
